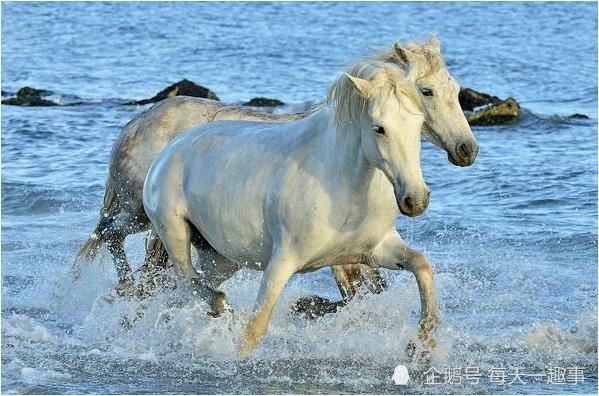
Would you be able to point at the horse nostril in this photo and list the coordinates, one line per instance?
(409, 203)
(464, 150)
(427, 196)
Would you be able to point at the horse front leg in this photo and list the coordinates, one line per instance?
(275, 278)
(396, 254)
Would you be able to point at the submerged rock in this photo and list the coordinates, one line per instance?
(263, 102)
(181, 88)
(504, 112)
(579, 116)
(471, 99)
(488, 109)
(28, 96)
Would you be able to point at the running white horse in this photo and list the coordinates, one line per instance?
(145, 137)
(296, 196)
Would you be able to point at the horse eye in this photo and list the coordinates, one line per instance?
(380, 130)
(426, 91)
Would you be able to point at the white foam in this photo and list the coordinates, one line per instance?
(175, 324)
(35, 375)
(580, 338)
(21, 327)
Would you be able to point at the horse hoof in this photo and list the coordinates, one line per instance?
(129, 322)
(146, 287)
(410, 350)
(314, 307)
(125, 289)
(425, 328)
(419, 355)
(219, 305)
(429, 324)
(426, 339)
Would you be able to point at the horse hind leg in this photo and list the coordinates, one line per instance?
(215, 269)
(153, 274)
(347, 277)
(371, 278)
(116, 229)
(351, 279)
(156, 254)
(110, 206)
(115, 242)
(175, 233)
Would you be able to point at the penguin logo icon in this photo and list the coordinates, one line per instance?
(401, 375)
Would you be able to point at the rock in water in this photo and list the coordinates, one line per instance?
(504, 112)
(181, 88)
(470, 99)
(264, 102)
(28, 96)
(579, 116)
(490, 110)
(28, 92)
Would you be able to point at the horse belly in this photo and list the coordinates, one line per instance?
(232, 235)
(229, 214)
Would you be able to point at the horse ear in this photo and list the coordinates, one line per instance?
(434, 41)
(401, 54)
(364, 87)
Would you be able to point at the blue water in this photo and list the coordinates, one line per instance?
(513, 238)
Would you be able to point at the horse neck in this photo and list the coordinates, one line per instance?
(341, 148)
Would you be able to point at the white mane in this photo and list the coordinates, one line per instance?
(348, 105)
(428, 59)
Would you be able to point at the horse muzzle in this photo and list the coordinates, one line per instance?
(413, 205)
(464, 153)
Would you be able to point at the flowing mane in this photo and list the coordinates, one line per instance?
(428, 58)
(348, 105)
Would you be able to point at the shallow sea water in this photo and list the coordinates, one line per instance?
(513, 238)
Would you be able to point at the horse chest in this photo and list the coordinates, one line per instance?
(348, 240)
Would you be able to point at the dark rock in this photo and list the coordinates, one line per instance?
(28, 102)
(181, 88)
(28, 92)
(264, 102)
(490, 109)
(471, 99)
(504, 112)
(28, 96)
(579, 116)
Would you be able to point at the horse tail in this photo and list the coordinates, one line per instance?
(110, 207)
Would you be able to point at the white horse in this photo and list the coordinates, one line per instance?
(296, 196)
(145, 137)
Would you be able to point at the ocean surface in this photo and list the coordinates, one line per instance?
(513, 238)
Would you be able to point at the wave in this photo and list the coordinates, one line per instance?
(27, 199)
